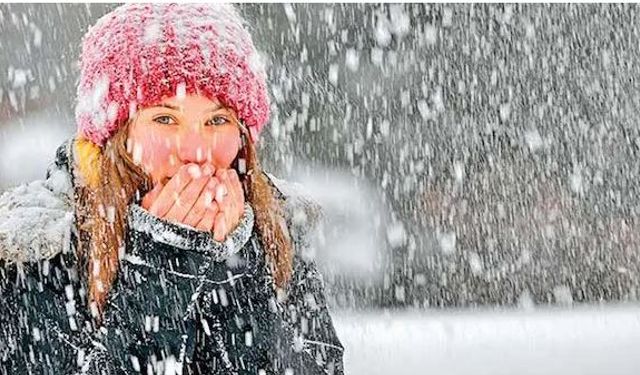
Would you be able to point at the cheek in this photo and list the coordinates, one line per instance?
(154, 153)
(224, 149)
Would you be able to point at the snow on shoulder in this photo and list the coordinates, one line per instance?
(303, 213)
(36, 219)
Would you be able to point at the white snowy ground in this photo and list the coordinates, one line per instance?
(578, 341)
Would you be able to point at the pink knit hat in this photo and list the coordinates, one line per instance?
(139, 54)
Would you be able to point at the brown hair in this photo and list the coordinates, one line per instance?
(112, 180)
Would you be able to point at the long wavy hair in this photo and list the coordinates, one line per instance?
(111, 181)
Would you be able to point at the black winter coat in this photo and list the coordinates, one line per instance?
(182, 303)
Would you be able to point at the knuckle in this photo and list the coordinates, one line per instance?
(233, 174)
(184, 169)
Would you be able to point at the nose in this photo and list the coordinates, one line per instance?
(192, 146)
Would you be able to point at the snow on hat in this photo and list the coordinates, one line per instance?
(138, 54)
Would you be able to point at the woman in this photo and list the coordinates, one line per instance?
(156, 244)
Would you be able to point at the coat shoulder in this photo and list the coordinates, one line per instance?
(36, 218)
(302, 210)
(305, 218)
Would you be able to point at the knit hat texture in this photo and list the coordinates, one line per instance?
(139, 54)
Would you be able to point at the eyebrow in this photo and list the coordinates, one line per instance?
(169, 106)
(177, 108)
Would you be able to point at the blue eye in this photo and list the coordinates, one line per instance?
(164, 120)
(218, 120)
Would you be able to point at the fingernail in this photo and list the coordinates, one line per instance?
(194, 171)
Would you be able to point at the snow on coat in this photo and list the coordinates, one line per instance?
(182, 303)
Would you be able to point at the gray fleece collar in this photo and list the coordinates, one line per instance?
(187, 238)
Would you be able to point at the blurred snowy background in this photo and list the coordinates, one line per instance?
(478, 164)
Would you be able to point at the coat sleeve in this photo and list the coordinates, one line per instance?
(314, 332)
(313, 326)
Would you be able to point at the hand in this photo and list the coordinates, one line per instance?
(185, 198)
(200, 198)
(230, 201)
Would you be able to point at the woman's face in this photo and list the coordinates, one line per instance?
(182, 130)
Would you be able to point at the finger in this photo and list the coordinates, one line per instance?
(214, 186)
(223, 189)
(206, 224)
(231, 197)
(236, 185)
(226, 203)
(200, 207)
(204, 169)
(187, 199)
(231, 189)
(220, 227)
(237, 197)
(221, 192)
(151, 196)
(230, 218)
(172, 190)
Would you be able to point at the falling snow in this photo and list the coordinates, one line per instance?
(466, 156)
